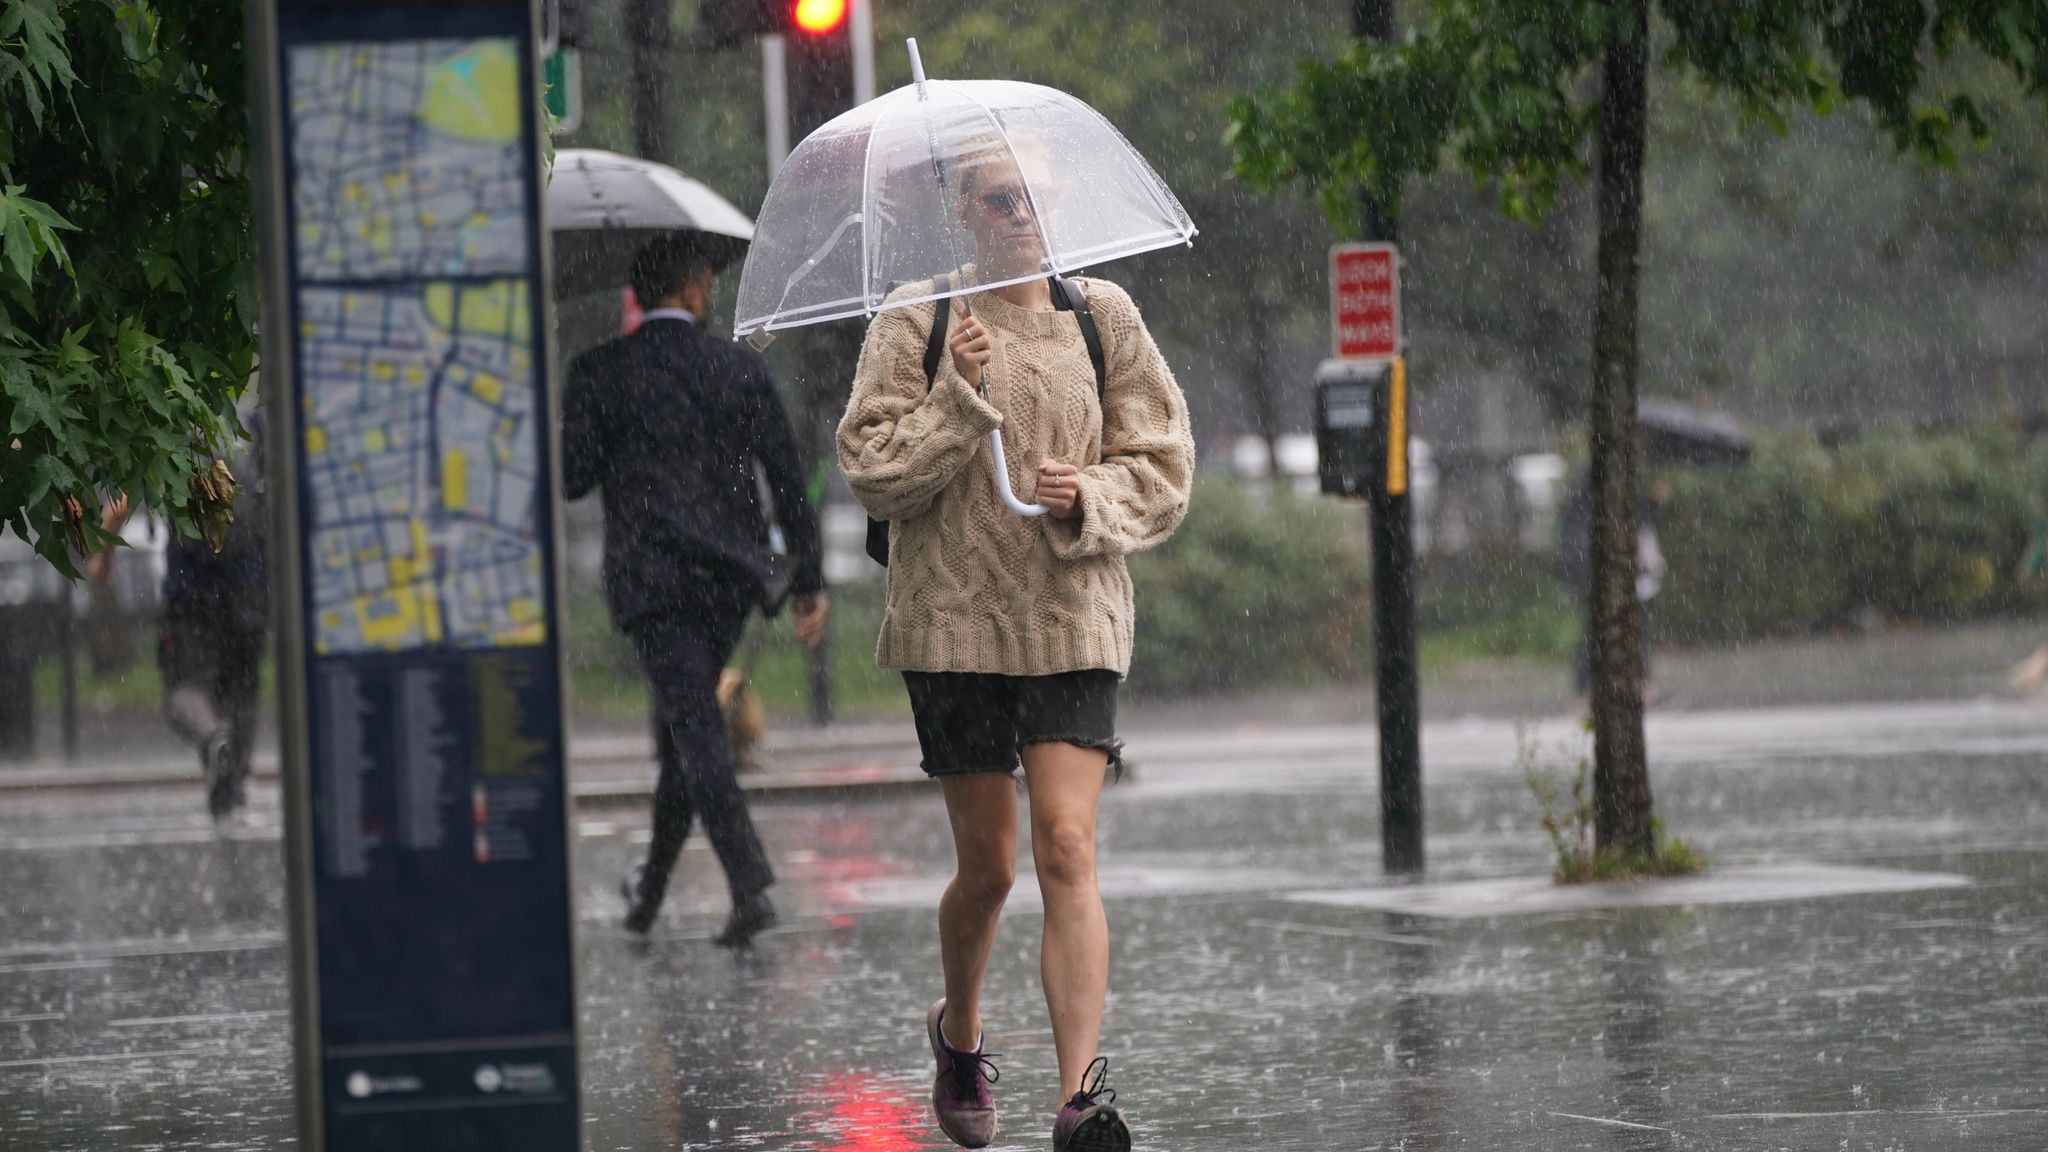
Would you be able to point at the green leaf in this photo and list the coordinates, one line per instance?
(49, 472)
(2016, 39)
(15, 242)
(33, 406)
(51, 546)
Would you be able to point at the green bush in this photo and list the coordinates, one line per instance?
(1252, 591)
(1492, 602)
(1921, 527)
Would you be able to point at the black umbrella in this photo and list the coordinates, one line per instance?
(604, 207)
(1676, 433)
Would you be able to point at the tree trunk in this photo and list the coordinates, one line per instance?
(647, 37)
(1621, 777)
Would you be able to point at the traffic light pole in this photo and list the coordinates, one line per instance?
(775, 99)
(861, 14)
(1393, 574)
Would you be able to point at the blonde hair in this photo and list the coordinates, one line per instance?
(988, 150)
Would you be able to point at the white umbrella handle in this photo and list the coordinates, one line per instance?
(995, 443)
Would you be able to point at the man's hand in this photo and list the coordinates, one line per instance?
(810, 618)
(971, 348)
(1059, 489)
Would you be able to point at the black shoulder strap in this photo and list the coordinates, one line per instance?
(935, 345)
(1068, 297)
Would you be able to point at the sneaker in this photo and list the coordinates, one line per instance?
(224, 791)
(750, 917)
(960, 1094)
(1090, 1122)
(639, 913)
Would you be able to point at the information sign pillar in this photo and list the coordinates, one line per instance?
(412, 446)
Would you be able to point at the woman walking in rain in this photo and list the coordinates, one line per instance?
(1013, 632)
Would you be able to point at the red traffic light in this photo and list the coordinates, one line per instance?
(819, 16)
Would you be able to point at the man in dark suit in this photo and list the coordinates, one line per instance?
(670, 422)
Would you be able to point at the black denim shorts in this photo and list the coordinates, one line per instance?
(976, 722)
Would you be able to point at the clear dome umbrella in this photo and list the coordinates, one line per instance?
(873, 201)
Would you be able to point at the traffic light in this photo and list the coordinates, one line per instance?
(817, 17)
(820, 62)
(817, 36)
(727, 23)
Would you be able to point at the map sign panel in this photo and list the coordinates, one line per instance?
(420, 445)
(407, 160)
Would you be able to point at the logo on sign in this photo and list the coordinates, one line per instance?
(1365, 301)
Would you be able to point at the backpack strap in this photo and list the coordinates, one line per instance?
(935, 344)
(1068, 297)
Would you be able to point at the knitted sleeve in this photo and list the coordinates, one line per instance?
(1137, 494)
(900, 445)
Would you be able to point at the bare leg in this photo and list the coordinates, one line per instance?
(1066, 783)
(190, 713)
(983, 811)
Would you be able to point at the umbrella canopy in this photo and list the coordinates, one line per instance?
(875, 198)
(603, 207)
(1683, 434)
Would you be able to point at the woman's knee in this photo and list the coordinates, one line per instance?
(985, 882)
(1064, 851)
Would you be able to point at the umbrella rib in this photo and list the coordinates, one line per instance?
(1171, 206)
(804, 269)
(867, 190)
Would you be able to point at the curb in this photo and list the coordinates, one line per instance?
(603, 771)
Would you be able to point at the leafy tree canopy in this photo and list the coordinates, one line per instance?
(127, 300)
(1502, 88)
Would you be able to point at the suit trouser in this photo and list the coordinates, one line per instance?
(683, 647)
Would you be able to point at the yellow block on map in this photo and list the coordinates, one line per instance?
(488, 386)
(390, 619)
(475, 94)
(316, 440)
(439, 302)
(374, 440)
(455, 478)
(495, 309)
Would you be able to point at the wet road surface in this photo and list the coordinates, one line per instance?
(143, 994)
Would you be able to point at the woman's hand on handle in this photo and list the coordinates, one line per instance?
(971, 348)
(1059, 489)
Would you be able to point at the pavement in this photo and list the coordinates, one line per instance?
(1860, 969)
(612, 765)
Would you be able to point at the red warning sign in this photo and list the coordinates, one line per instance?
(1365, 301)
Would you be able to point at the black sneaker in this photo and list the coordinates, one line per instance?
(224, 791)
(1090, 1121)
(640, 913)
(750, 917)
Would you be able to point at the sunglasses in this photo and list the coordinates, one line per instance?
(1006, 203)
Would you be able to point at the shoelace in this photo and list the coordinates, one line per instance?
(965, 1064)
(1099, 1093)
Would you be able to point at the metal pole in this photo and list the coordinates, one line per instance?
(1393, 574)
(862, 18)
(775, 99)
(69, 700)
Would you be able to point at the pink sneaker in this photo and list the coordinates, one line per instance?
(1090, 1122)
(960, 1095)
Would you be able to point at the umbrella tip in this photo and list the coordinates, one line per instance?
(916, 64)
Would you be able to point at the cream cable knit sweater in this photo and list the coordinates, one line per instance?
(973, 587)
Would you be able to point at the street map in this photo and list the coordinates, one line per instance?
(420, 446)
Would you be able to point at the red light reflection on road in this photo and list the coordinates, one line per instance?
(867, 1115)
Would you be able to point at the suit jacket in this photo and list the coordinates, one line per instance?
(669, 422)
